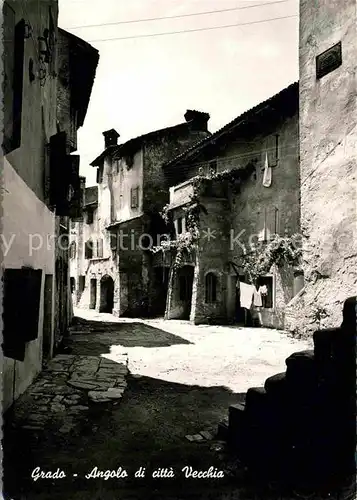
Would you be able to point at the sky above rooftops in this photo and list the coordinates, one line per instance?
(147, 83)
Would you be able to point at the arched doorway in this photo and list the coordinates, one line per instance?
(106, 294)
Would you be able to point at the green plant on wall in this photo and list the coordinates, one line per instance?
(187, 243)
(279, 251)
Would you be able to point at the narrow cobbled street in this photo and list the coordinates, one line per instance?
(134, 394)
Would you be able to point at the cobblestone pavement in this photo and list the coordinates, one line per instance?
(62, 394)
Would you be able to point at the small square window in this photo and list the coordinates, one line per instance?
(179, 225)
(265, 287)
(134, 197)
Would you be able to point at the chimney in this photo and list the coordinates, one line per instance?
(197, 119)
(110, 138)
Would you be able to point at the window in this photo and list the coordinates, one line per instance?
(14, 48)
(268, 223)
(73, 284)
(212, 167)
(90, 216)
(72, 250)
(89, 250)
(271, 147)
(267, 299)
(81, 283)
(179, 225)
(134, 197)
(73, 224)
(211, 288)
(100, 248)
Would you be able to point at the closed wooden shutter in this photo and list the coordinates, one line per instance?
(76, 202)
(272, 222)
(271, 146)
(18, 82)
(22, 294)
(60, 168)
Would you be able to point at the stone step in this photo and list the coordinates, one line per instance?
(276, 386)
(265, 437)
(349, 314)
(236, 428)
(223, 431)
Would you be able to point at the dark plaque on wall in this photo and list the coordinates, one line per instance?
(329, 60)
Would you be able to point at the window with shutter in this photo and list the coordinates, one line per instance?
(88, 250)
(134, 197)
(268, 297)
(81, 283)
(14, 51)
(272, 222)
(22, 292)
(271, 146)
(100, 248)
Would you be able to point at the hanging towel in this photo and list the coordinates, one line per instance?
(267, 172)
(246, 295)
(257, 298)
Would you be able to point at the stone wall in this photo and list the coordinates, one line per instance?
(328, 155)
(30, 242)
(233, 223)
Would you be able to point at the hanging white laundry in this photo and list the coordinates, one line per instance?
(257, 298)
(246, 295)
(267, 172)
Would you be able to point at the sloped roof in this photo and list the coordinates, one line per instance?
(290, 92)
(136, 142)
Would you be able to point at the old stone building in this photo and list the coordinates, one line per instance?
(41, 184)
(328, 158)
(229, 194)
(117, 233)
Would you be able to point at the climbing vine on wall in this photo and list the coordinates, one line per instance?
(279, 251)
(186, 243)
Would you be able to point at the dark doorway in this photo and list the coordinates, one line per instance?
(106, 294)
(161, 283)
(185, 283)
(93, 293)
(47, 343)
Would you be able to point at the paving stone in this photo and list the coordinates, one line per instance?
(56, 407)
(68, 358)
(79, 408)
(42, 399)
(115, 393)
(32, 427)
(82, 385)
(99, 396)
(58, 399)
(207, 435)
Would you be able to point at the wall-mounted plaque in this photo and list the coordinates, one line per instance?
(329, 60)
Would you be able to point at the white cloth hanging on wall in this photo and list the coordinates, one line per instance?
(267, 172)
(246, 295)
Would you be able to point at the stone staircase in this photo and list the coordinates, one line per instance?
(300, 428)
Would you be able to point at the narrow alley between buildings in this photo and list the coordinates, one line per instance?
(134, 394)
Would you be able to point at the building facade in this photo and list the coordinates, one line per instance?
(328, 158)
(116, 237)
(235, 191)
(40, 187)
